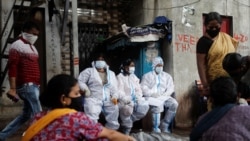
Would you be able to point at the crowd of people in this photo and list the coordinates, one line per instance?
(124, 97)
(221, 70)
(72, 106)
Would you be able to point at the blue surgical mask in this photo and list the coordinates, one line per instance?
(158, 69)
(100, 64)
(131, 70)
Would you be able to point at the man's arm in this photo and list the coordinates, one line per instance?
(12, 66)
(113, 135)
(170, 86)
(12, 90)
(146, 91)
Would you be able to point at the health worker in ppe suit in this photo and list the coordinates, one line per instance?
(100, 87)
(159, 85)
(132, 106)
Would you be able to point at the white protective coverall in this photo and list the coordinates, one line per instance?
(100, 96)
(132, 106)
(157, 85)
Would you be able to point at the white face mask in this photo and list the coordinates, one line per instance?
(131, 70)
(29, 37)
(158, 69)
(100, 64)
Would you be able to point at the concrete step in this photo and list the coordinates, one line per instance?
(8, 112)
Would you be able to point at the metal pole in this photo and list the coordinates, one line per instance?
(75, 38)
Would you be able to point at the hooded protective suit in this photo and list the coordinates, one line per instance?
(101, 94)
(158, 85)
(132, 105)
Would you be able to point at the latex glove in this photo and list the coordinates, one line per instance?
(87, 92)
(114, 101)
(138, 96)
(168, 93)
(155, 95)
(126, 100)
(242, 102)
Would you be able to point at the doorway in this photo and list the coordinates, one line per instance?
(226, 25)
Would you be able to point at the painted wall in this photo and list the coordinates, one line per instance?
(53, 46)
(180, 55)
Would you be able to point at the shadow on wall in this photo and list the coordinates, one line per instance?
(189, 108)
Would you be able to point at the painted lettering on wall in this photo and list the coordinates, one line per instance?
(241, 37)
(243, 41)
(186, 43)
(53, 46)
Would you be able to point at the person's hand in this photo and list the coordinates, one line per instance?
(114, 101)
(87, 92)
(203, 90)
(11, 94)
(131, 138)
(126, 100)
(138, 97)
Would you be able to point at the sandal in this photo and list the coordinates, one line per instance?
(13, 98)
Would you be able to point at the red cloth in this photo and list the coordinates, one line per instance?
(70, 127)
(23, 63)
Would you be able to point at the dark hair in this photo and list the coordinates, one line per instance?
(29, 25)
(212, 16)
(223, 90)
(244, 90)
(231, 62)
(126, 63)
(97, 55)
(235, 65)
(57, 86)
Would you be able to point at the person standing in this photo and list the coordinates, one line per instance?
(159, 85)
(132, 106)
(211, 49)
(24, 77)
(101, 94)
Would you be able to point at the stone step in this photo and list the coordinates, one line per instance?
(8, 112)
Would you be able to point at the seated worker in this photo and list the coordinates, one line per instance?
(158, 85)
(63, 120)
(237, 66)
(132, 106)
(226, 121)
(101, 85)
